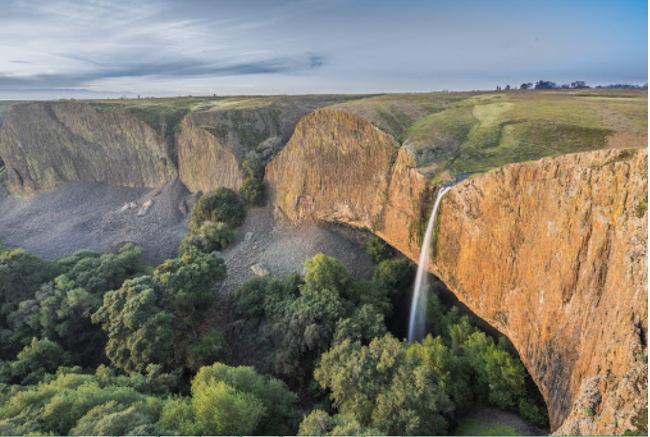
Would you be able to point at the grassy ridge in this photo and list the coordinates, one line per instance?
(464, 132)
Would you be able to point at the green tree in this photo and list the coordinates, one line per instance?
(190, 279)
(250, 296)
(220, 409)
(395, 274)
(382, 388)
(37, 359)
(221, 205)
(365, 324)
(378, 250)
(501, 377)
(279, 297)
(319, 422)
(328, 273)
(141, 323)
(21, 276)
(252, 190)
(210, 349)
(146, 315)
(208, 238)
(529, 410)
(57, 405)
(273, 402)
(254, 168)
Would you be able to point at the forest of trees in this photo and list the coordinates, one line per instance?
(103, 344)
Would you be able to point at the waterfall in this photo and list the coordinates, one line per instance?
(419, 301)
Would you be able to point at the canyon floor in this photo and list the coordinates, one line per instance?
(91, 215)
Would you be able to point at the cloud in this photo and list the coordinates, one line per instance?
(165, 68)
(84, 43)
(285, 46)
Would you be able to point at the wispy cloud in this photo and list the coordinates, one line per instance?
(165, 46)
(72, 44)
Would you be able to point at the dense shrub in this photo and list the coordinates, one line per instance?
(208, 350)
(378, 250)
(144, 316)
(38, 359)
(232, 401)
(530, 411)
(221, 205)
(60, 309)
(252, 190)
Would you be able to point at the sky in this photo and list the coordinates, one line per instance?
(105, 48)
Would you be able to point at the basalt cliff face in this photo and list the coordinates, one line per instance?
(552, 253)
(45, 145)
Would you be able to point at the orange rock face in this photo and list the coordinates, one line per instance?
(552, 253)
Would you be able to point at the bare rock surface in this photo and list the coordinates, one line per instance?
(279, 247)
(91, 215)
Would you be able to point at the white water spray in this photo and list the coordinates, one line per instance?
(419, 300)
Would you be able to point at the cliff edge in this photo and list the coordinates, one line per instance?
(553, 253)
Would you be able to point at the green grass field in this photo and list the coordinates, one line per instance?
(465, 132)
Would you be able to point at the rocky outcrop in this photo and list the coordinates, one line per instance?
(204, 163)
(552, 253)
(336, 165)
(45, 145)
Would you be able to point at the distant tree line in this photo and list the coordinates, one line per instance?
(577, 85)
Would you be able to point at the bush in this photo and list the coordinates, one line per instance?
(208, 238)
(395, 274)
(254, 168)
(253, 191)
(249, 297)
(259, 404)
(378, 250)
(37, 359)
(221, 205)
(530, 411)
(210, 349)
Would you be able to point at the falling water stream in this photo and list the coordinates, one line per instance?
(419, 302)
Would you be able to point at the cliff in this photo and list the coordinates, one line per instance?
(147, 142)
(552, 253)
(45, 145)
(213, 144)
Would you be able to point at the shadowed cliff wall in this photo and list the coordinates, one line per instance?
(45, 145)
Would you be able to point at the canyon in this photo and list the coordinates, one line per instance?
(551, 252)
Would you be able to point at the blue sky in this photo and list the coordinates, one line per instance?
(150, 47)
